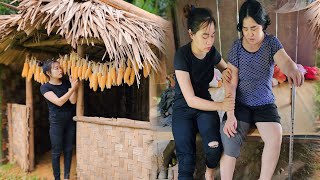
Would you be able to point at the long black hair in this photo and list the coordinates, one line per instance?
(253, 9)
(198, 17)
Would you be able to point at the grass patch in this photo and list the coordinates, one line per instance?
(10, 172)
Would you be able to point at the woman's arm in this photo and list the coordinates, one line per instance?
(193, 101)
(63, 99)
(288, 67)
(73, 97)
(230, 91)
(222, 65)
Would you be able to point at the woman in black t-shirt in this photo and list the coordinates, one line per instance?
(61, 96)
(193, 109)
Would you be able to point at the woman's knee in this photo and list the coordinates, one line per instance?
(274, 140)
(213, 155)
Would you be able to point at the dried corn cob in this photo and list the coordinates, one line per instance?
(84, 69)
(132, 78)
(127, 75)
(25, 69)
(37, 74)
(80, 64)
(109, 78)
(113, 75)
(65, 64)
(120, 76)
(146, 68)
(99, 74)
(88, 71)
(104, 77)
(30, 72)
(94, 79)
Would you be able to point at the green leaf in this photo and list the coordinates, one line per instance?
(138, 3)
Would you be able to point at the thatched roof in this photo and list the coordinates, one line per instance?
(313, 15)
(44, 26)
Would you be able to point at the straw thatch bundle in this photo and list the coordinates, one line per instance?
(313, 15)
(125, 35)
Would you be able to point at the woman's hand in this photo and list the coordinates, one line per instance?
(227, 75)
(228, 104)
(230, 126)
(74, 83)
(296, 77)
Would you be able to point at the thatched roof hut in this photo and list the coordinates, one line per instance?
(48, 27)
(104, 30)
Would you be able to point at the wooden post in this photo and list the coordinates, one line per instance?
(152, 104)
(9, 109)
(1, 123)
(80, 97)
(29, 104)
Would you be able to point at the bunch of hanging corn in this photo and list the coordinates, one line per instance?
(32, 69)
(103, 75)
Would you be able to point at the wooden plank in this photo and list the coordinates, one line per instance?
(119, 122)
(60, 42)
(9, 116)
(29, 104)
(80, 95)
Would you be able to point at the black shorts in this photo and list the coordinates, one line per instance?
(247, 117)
(254, 114)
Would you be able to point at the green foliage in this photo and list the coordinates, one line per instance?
(159, 7)
(138, 3)
(4, 10)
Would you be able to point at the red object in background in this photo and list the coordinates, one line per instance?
(278, 74)
(312, 73)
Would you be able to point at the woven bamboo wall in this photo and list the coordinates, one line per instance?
(114, 149)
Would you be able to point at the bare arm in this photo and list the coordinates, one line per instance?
(73, 97)
(52, 97)
(288, 67)
(193, 101)
(63, 99)
(230, 91)
(222, 65)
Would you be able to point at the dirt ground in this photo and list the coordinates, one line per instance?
(43, 170)
(306, 162)
(247, 166)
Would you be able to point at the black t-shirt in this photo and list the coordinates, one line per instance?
(201, 72)
(59, 90)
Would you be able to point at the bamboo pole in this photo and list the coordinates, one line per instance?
(80, 95)
(61, 42)
(29, 104)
